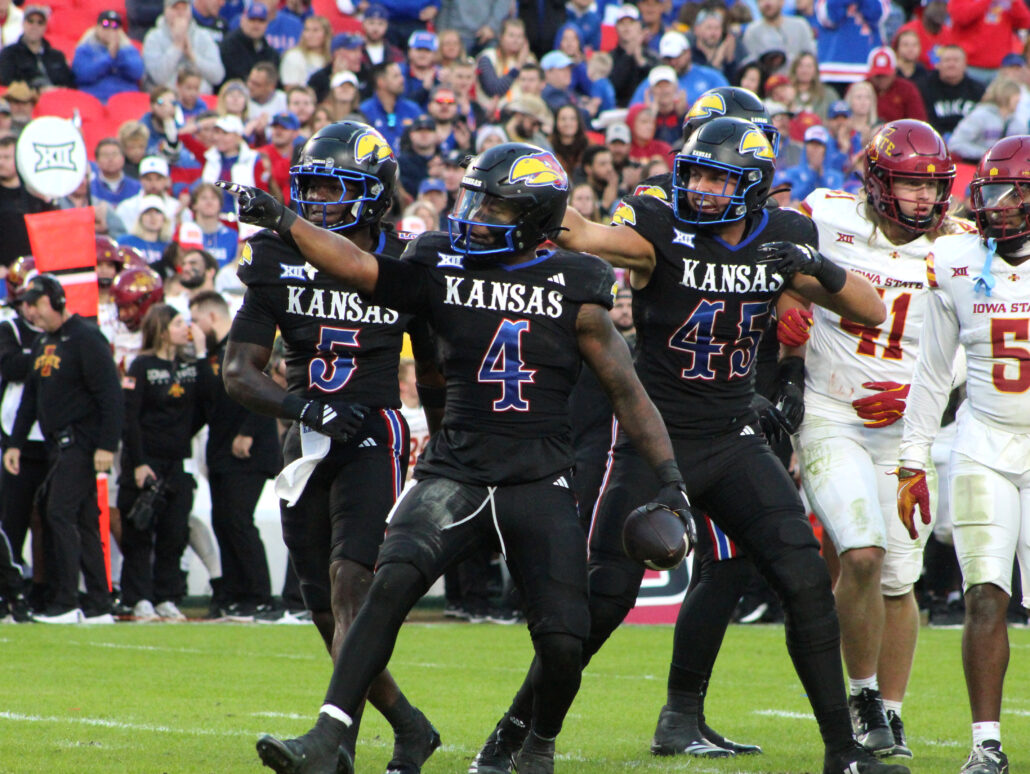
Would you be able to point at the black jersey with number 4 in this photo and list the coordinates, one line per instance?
(507, 345)
(702, 314)
(337, 344)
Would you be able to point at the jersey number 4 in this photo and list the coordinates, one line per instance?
(1020, 331)
(329, 372)
(503, 365)
(696, 336)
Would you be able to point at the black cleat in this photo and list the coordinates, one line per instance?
(497, 755)
(869, 722)
(856, 759)
(413, 745)
(719, 740)
(317, 752)
(536, 756)
(986, 758)
(901, 748)
(678, 734)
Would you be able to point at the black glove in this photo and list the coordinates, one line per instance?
(259, 208)
(340, 421)
(673, 495)
(790, 395)
(775, 426)
(788, 259)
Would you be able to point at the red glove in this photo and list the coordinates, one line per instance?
(792, 329)
(912, 491)
(885, 407)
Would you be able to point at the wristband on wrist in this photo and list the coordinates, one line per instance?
(431, 397)
(668, 472)
(293, 407)
(831, 276)
(286, 221)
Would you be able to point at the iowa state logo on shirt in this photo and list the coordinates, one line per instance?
(48, 361)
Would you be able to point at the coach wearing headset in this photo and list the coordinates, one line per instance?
(74, 392)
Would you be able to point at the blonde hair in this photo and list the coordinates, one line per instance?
(233, 83)
(1000, 91)
(867, 87)
(132, 130)
(816, 88)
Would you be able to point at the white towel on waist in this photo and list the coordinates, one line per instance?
(290, 483)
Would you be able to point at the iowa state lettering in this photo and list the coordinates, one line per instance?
(342, 305)
(729, 277)
(503, 297)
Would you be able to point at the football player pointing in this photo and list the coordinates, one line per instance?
(513, 325)
(703, 292)
(856, 384)
(981, 298)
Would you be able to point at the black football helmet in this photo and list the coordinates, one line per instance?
(734, 146)
(360, 160)
(518, 192)
(730, 102)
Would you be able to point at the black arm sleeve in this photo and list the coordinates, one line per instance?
(402, 285)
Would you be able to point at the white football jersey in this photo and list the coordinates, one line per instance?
(842, 355)
(993, 329)
(125, 344)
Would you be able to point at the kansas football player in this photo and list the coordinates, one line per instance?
(346, 453)
(514, 324)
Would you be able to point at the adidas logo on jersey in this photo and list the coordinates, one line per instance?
(682, 238)
(557, 279)
(562, 482)
(367, 443)
(454, 261)
(748, 430)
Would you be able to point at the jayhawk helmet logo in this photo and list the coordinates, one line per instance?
(707, 106)
(247, 255)
(624, 214)
(537, 170)
(371, 145)
(651, 190)
(757, 144)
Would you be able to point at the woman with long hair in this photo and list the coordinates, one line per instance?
(219, 240)
(810, 92)
(583, 199)
(450, 47)
(309, 55)
(234, 100)
(861, 98)
(164, 393)
(498, 66)
(569, 137)
(750, 77)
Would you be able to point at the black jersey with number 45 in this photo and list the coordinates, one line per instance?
(337, 344)
(702, 314)
(507, 346)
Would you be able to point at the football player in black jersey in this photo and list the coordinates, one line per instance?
(707, 264)
(514, 324)
(347, 450)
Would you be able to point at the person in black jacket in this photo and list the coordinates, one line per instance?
(245, 46)
(32, 59)
(165, 402)
(242, 454)
(73, 391)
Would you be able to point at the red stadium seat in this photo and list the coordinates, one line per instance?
(128, 106)
(609, 38)
(338, 21)
(64, 102)
(964, 174)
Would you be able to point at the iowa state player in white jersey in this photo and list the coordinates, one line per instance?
(855, 388)
(981, 298)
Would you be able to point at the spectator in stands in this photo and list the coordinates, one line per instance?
(420, 70)
(244, 47)
(488, 136)
(644, 146)
(187, 91)
(668, 101)
(408, 16)
(105, 61)
(11, 18)
(838, 117)
(320, 118)
(780, 115)
(297, 12)
(309, 55)
(986, 123)
(460, 77)
(141, 16)
(300, 100)
(165, 393)
(475, 23)
(207, 14)
(452, 129)
(907, 51)
(154, 181)
(234, 100)
(6, 120)
(105, 220)
(386, 109)
(896, 98)
(810, 93)
(15, 203)
(930, 23)
(452, 49)
(346, 57)
(151, 232)
(714, 45)
(1014, 67)
(861, 100)
(847, 33)
(651, 21)
(160, 120)
(618, 138)
(111, 184)
(177, 39)
(531, 121)
(791, 34)
(230, 158)
(694, 80)
(602, 93)
(529, 82)
(632, 60)
(984, 30)
(557, 89)
(499, 65)
(749, 77)
(814, 171)
(216, 238)
(284, 129)
(949, 93)
(569, 138)
(583, 200)
(344, 101)
(419, 147)
(194, 270)
(377, 49)
(282, 30)
(584, 14)
(569, 42)
(32, 59)
(133, 137)
(266, 98)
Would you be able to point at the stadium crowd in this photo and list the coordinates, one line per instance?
(190, 96)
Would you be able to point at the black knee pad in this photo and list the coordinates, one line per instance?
(803, 584)
(615, 577)
(560, 655)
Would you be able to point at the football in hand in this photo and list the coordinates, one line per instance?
(655, 536)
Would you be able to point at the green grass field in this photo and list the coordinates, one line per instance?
(170, 699)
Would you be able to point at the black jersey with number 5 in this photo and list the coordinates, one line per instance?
(702, 314)
(337, 344)
(507, 345)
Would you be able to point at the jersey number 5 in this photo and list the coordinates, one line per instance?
(503, 364)
(1020, 330)
(329, 372)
